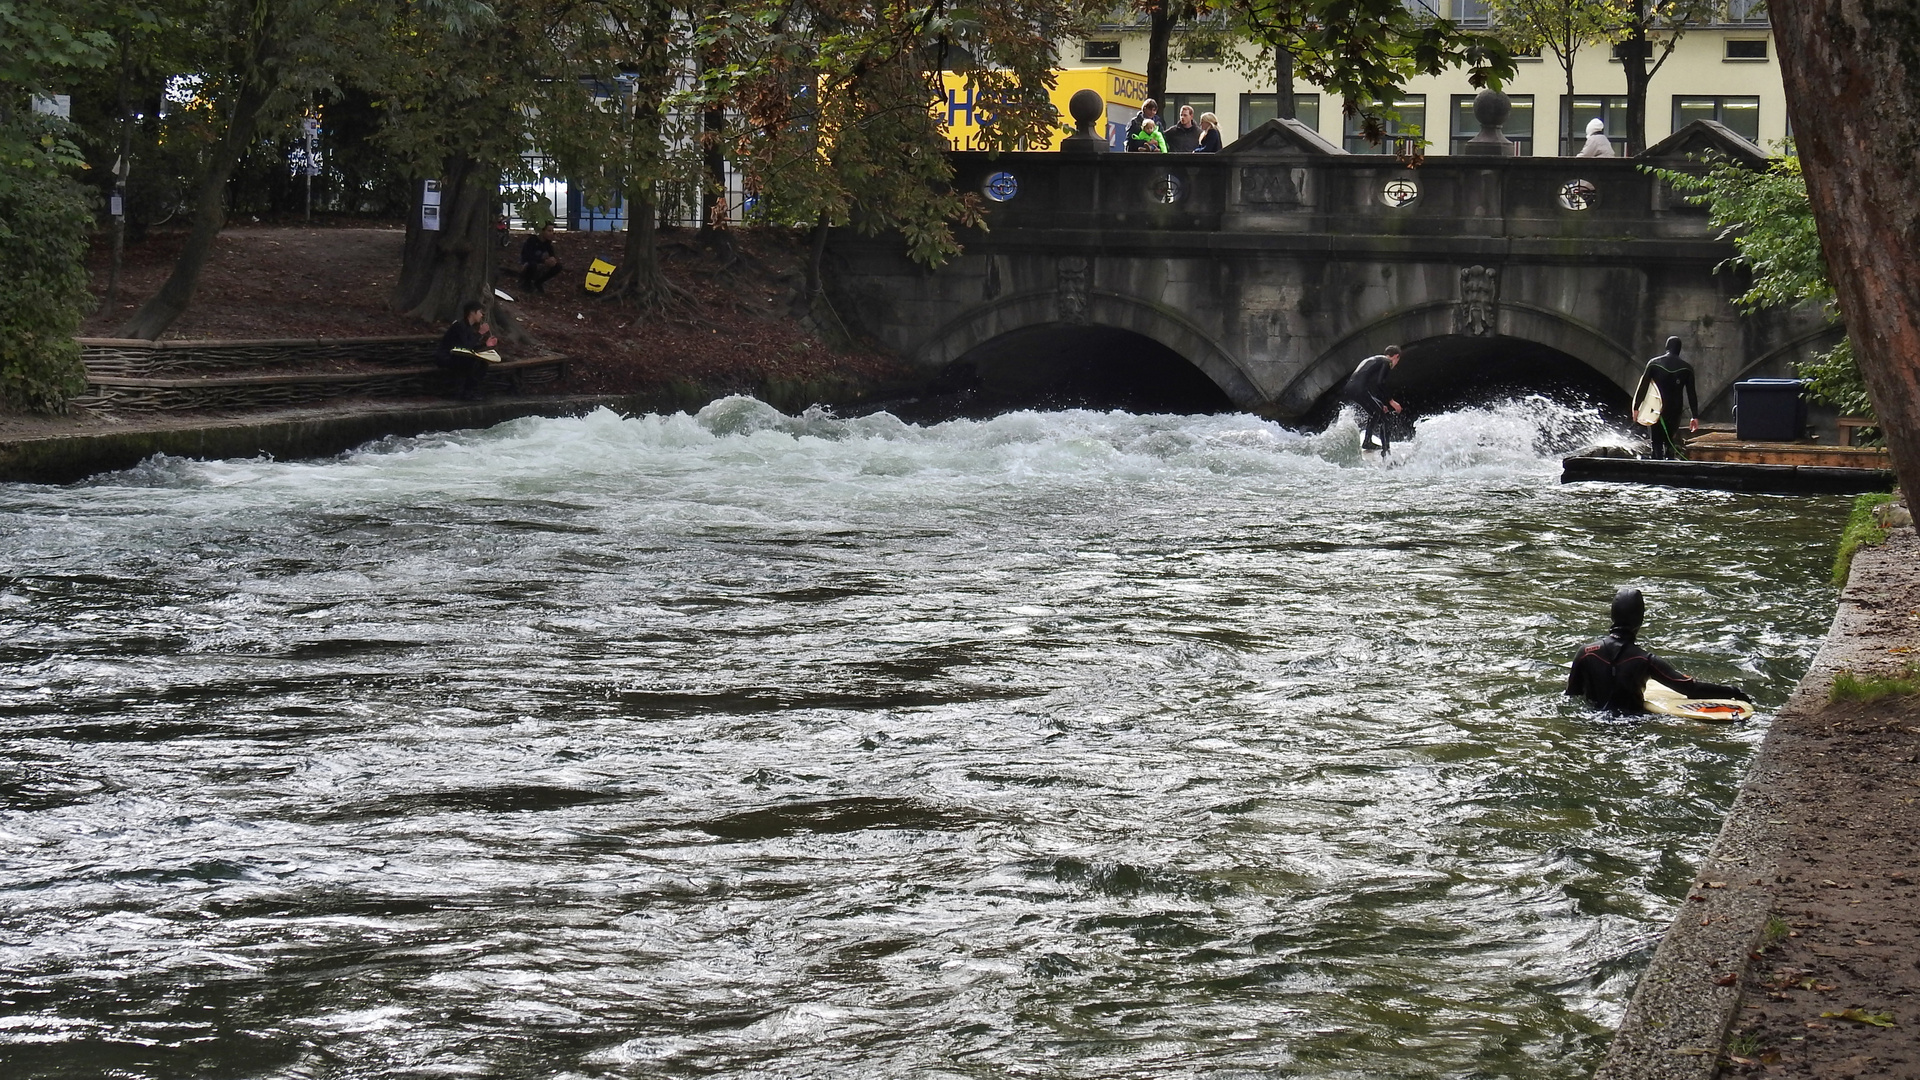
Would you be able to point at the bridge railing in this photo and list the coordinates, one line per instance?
(1358, 195)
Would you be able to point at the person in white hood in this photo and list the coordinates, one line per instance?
(1598, 145)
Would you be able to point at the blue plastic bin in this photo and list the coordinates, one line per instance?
(1770, 410)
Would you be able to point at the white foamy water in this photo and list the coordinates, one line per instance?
(1066, 744)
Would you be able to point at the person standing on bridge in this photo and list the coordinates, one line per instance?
(1366, 391)
(1598, 145)
(1149, 110)
(1183, 135)
(1672, 375)
(1612, 672)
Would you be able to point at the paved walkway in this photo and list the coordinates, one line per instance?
(1797, 953)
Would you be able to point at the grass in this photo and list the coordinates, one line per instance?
(1862, 530)
(1777, 931)
(1744, 1045)
(1848, 686)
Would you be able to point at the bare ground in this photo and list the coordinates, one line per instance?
(1834, 993)
(286, 281)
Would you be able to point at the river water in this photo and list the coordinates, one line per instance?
(739, 745)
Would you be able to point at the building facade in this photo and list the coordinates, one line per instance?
(1725, 71)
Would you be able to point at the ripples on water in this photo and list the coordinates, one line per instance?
(1056, 745)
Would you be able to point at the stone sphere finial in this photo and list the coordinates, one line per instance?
(1086, 107)
(1491, 108)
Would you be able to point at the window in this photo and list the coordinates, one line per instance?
(1200, 50)
(1624, 49)
(1170, 106)
(1755, 49)
(1575, 113)
(1747, 11)
(1470, 12)
(1519, 125)
(1101, 50)
(1742, 114)
(1402, 129)
(1257, 109)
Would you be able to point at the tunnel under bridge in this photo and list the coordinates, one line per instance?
(1258, 277)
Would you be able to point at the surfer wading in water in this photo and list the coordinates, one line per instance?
(1612, 672)
(1670, 375)
(1365, 390)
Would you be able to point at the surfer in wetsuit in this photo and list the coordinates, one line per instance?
(1365, 390)
(1672, 375)
(1612, 672)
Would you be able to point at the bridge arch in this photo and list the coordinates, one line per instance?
(1606, 358)
(1114, 311)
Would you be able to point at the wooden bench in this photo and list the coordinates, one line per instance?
(256, 391)
(1851, 426)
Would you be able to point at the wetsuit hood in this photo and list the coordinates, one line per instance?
(1673, 346)
(1629, 611)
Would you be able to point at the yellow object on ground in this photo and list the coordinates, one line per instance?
(598, 273)
(961, 114)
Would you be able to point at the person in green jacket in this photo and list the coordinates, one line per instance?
(1148, 141)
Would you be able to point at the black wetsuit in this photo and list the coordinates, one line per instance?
(1673, 376)
(1612, 674)
(1365, 390)
(468, 368)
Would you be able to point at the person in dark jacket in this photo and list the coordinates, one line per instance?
(460, 347)
(1673, 376)
(539, 262)
(1209, 135)
(1183, 134)
(1612, 672)
(1366, 391)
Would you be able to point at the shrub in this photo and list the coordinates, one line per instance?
(43, 285)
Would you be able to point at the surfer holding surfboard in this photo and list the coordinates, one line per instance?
(1615, 674)
(1656, 401)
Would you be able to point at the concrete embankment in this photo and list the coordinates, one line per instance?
(1806, 790)
(57, 456)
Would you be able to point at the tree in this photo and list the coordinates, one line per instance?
(1852, 92)
(838, 126)
(43, 212)
(1770, 221)
(1362, 50)
(1647, 32)
(605, 119)
(457, 78)
(1561, 27)
(263, 62)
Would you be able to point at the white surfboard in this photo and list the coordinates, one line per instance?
(1647, 412)
(1664, 699)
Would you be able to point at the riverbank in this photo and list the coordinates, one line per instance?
(1797, 952)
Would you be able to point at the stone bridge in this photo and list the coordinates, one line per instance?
(1277, 265)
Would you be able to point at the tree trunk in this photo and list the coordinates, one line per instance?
(1288, 108)
(209, 216)
(713, 157)
(123, 101)
(1159, 35)
(1852, 91)
(1633, 64)
(442, 270)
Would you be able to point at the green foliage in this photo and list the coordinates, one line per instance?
(1848, 686)
(1863, 529)
(43, 283)
(1364, 51)
(1770, 221)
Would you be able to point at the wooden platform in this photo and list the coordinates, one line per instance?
(1770, 479)
(1724, 446)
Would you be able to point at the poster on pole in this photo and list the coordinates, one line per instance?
(430, 206)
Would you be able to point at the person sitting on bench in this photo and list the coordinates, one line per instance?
(538, 260)
(460, 348)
